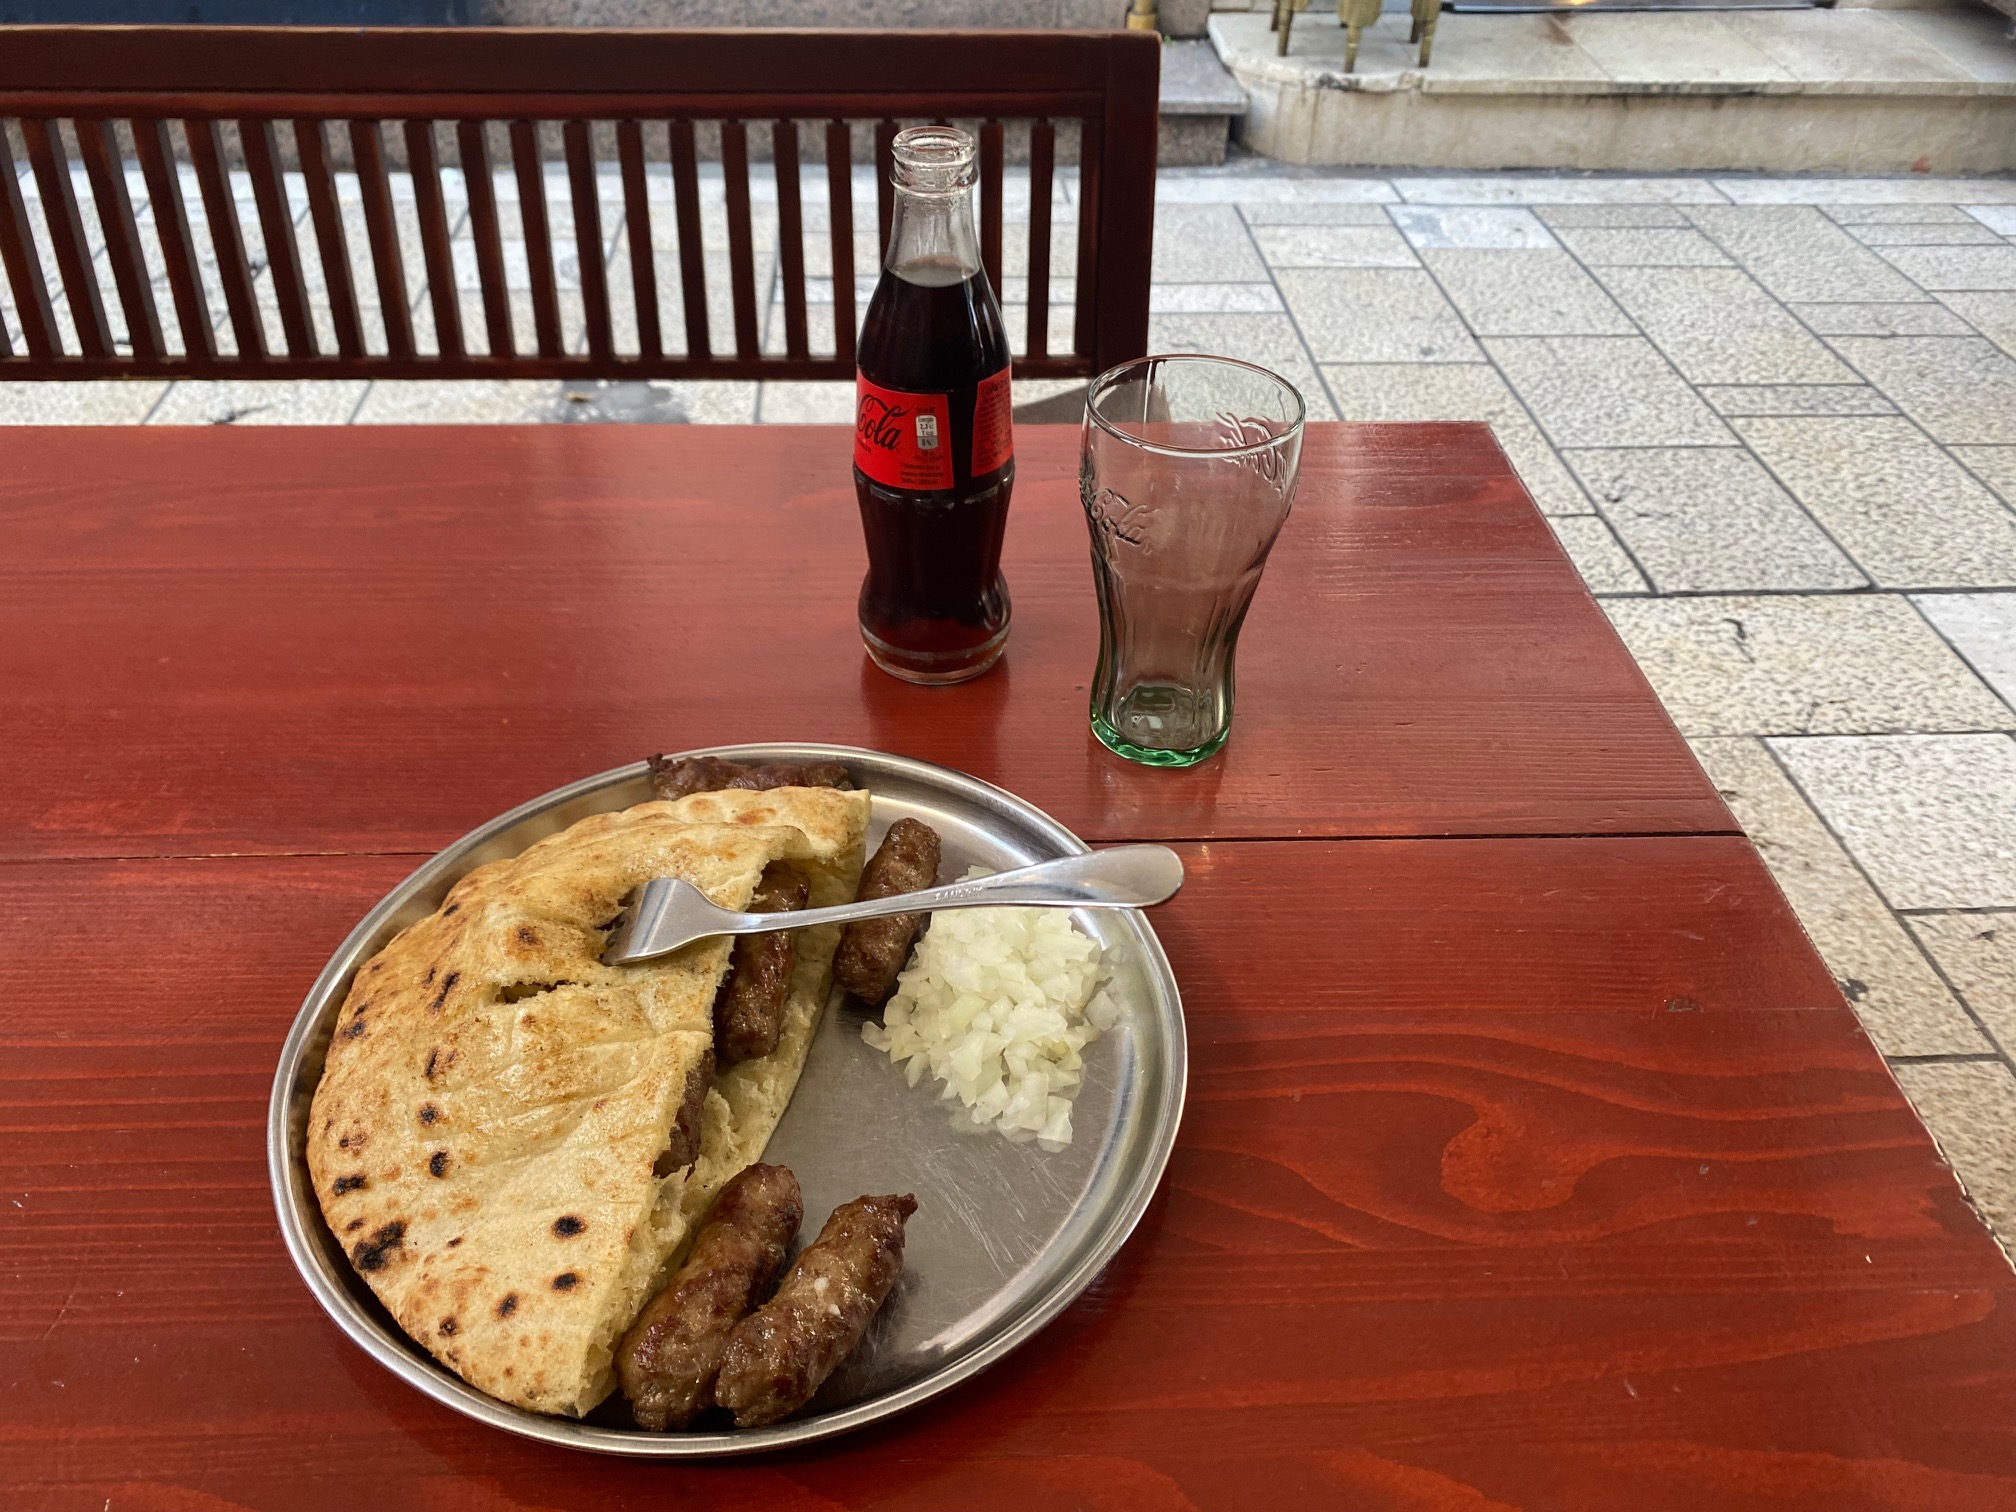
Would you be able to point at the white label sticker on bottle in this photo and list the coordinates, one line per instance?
(927, 433)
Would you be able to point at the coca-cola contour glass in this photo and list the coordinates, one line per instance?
(1187, 476)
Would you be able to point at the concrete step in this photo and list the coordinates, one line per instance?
(1862, 90)
(848, 13)
(1200, 102)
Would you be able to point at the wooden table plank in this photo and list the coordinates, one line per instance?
(1520, 1237)
(371, 640)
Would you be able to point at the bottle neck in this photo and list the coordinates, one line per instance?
(932, 240)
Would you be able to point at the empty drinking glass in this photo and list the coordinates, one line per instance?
(1187, 476)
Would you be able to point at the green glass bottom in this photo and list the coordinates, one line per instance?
(1120, 745)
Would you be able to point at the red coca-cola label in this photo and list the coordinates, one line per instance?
(993, 424)
(902, 440)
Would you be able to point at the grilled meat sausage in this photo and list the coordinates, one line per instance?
(749, 1008)
(782, 1353)
(872, 951)
(684, 1148)
(683, 776)
(668, 1359)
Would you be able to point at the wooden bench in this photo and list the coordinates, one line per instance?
(525, 126)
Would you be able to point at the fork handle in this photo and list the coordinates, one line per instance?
(1127, 876)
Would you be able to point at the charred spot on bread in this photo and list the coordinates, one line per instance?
(447, 986)
(371, 1254)
(353, 1225)
(527, 935)
(451, 910)
(508, 1306)
(429, 1114)
(429, 978)
(437, 1163)
(567, 1225)
(355, 1029)
(448, 1325)
(565, 1281)
(455, 1241)
(350, 1184)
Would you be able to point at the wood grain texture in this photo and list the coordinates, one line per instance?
(1538, 1247)
(270, 640)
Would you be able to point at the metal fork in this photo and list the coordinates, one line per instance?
(670, 913)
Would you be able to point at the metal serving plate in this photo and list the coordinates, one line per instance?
(1005, 1236)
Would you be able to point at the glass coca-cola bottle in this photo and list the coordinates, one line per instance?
(934, 456)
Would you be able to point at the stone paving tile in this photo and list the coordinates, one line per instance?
(1650, 248)
(1992, 314)
(1896, 215)
(2000, 218)
(1243, 189)
(1467, 391)
(1718, 326)
(1375, 315)
(1211, 299)
(294, 401)
(1314, 215)
(1334, 247)
(1945, 234)
(93, 402)
(1478, 228)
(1872, 191)
(1614, 217)
(1818, 664)
(1798, 254)
(1959, 388)
(1525, 293)
(1543, 189)
(1270, 340)
(1900, 1000)
(1982, 628)
(1977, 951)
(1204, 244)
(1993, 465)
(1944, 269)
(1710, 519)
(1932, 818)
(1908, 514)
(1969, 1107)
(1880, 319)
(1594, 550)
(1796, 399)
(1605, 391)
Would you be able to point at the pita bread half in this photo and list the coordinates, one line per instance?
(495, 1100)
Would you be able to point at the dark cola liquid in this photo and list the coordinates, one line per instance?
(934, 607)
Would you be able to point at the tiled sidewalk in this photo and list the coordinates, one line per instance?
(1773, 422)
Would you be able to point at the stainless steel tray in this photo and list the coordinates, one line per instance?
(1005, 1236)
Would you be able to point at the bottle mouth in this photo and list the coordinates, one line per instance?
(933, 159)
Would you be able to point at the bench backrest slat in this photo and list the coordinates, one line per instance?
(254, 202)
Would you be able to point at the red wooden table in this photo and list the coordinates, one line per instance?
(1531, 1158)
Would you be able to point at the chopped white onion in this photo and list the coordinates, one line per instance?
(997, 1003)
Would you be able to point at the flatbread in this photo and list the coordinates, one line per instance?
(495, 1099)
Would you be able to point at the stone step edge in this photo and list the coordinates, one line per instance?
(1419, 81)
